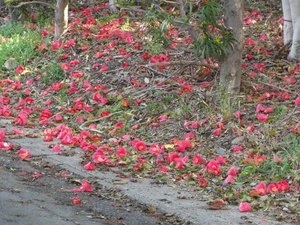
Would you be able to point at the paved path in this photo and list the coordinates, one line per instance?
(166, 200)
(47, 200)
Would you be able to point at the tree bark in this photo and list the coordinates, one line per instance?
(112, 6)
(294, 6)
(61, 17)
(230, 72)
(287, 22)
(182, 4)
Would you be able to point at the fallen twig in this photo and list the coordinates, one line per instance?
(182, 62)
(33, 2)
(82, 126)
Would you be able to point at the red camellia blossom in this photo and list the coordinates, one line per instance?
(20, 69)
(237, 148)
(99, 157)
(89, 166)
(249, 42)
(181, 162)
(186, 88)
(65, 66)
(36, 175)
(145, 55)
(290, 79)
(197, 160)
(24, 154)
(104, 68)
(77, 74)
(139, 146)
(85, 186)
(250, 128)
(5, 146)
(155, 149)
(268, 110)
(237, 114)
(262, 117)
(55, 45)
(260, 67)
(98, 55)
(217, 132)
(44, 33)
(285, 96)
(221, 159)
(202, 182)
(259, 159)
(47, 138)
(229, 179)
(272, 188)
(260, 108)
(182, 145)
(245, 207)
(45, 114)
(261, 188)
(294, 129)
(297, 101)
(99, 98)
(2, 135)
(233, 171)
(56, 148)
(172, 156)
(191, 124)
(213, 167)
(105, 113)
(121, 152)
(283, 185)
(76, 200)
(163, 169)
(163, 118)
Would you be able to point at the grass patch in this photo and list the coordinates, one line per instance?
(18, 44)
(53, 73)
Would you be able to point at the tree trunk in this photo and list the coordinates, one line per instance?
(61, 17)
(182, 4)
(287, 23)
(112, 6)
(292, 22)
(230, 73)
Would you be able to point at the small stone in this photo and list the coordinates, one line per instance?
(285, 209)
(11, 64)
(238, 140)
(221, 151)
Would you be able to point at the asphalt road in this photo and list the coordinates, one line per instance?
(48, 199)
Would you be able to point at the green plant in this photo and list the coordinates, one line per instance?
(215, 39)
(291, 152)
(158, 24)
(155, 108)
(18, 44)
(53, 73)
(10, 30)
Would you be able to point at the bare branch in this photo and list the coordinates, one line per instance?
(33, 2)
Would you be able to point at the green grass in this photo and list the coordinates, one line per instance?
(53, 73)
(19, 44)
(10, 30)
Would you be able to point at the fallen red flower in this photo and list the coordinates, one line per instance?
(245, 207)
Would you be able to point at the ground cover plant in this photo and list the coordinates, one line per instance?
(133, 96)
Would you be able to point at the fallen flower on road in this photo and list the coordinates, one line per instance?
(245, 207)
(76, 200)
(24, 154)
(85, 186)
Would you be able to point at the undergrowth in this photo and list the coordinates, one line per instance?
(18, 43)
